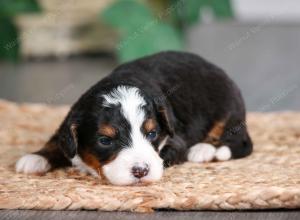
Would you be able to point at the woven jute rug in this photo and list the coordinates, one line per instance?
(269, 178)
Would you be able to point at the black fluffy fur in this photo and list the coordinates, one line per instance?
(186, 94)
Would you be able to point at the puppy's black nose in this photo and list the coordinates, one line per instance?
(140, 171)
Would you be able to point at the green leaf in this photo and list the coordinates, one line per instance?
(141, 32)
(190, 11)
(158, 37)
(222, 9)
(126, 15)
(9, 42)
(9, 8)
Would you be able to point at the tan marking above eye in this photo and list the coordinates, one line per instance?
(149, 125)
(107, 130)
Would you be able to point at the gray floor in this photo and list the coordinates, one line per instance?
(263, 59)
(79, 215)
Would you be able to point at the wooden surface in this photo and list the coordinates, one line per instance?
(164, 215)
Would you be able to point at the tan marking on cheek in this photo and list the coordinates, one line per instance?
(107, 130)
(93, 162)
(149, 125)
(215, 133)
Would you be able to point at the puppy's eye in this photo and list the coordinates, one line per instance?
(151, 135)
(105, 140)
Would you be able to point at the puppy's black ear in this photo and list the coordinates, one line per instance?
(165, 116)
(66, 137)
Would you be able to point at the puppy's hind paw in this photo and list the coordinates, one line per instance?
(32, 164)
(223, 153)
(201, 152)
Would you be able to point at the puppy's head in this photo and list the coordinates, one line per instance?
(119, 137)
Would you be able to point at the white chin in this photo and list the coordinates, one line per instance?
(118, 172)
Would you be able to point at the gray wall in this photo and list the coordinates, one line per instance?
(262, 58)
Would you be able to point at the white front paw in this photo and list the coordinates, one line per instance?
(201, 152)
(32, 164)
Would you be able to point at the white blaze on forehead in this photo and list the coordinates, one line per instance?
(131, 106)
(129, 98)
(140, 151)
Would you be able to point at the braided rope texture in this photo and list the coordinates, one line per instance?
(268, 179)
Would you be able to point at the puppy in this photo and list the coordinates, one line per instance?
(148, 114)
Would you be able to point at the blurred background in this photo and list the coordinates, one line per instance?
(51, 51)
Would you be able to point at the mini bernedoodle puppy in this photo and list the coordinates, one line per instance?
(148, 114)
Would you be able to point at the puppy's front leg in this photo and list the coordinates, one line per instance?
(174, 151)
(40, 162)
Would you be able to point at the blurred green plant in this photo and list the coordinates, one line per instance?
(149, 26)
(9, 37)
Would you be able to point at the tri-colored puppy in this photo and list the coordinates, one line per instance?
(148, 114)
